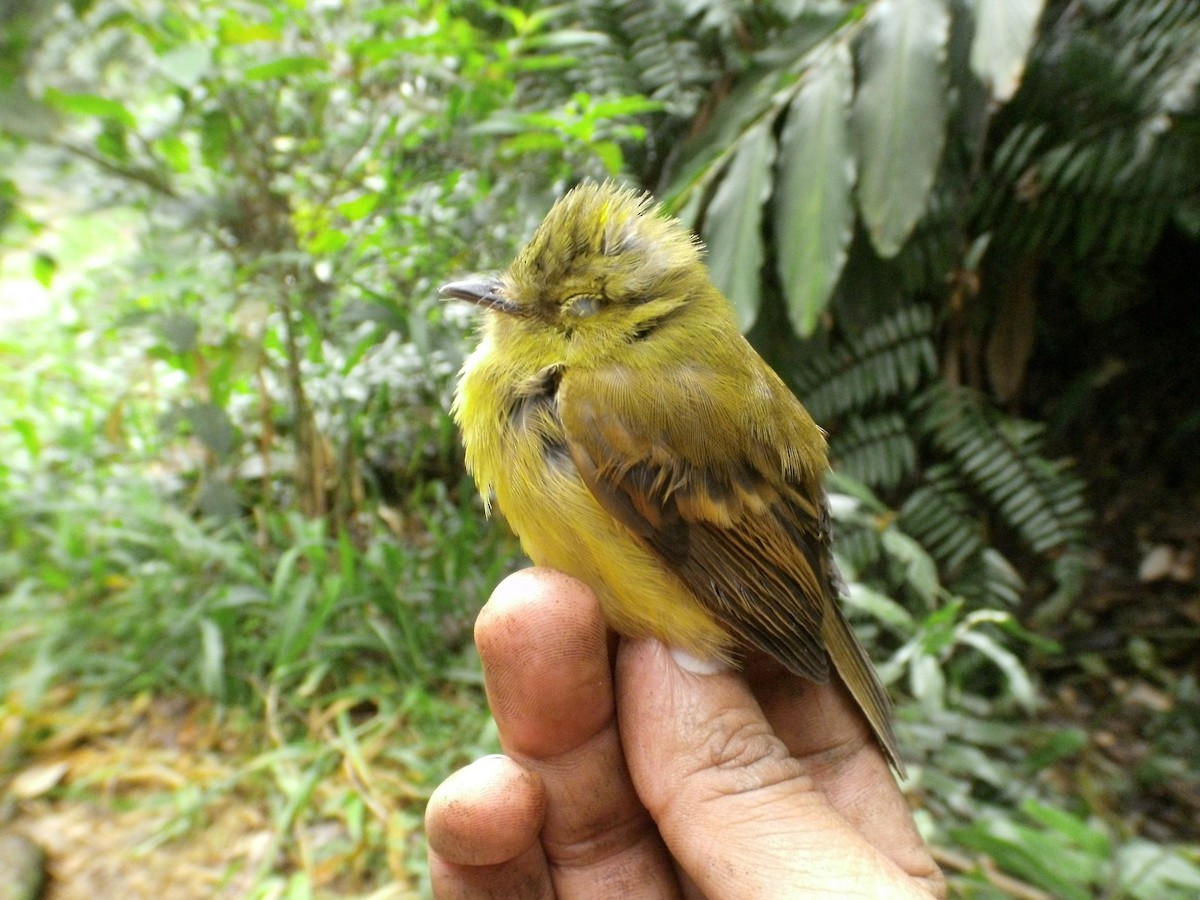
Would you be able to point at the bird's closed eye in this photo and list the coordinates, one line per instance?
(582, 306)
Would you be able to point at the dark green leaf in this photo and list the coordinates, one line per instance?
(219, 500)
(751, 98)
(900, 115)
(814, 215)
(180, 331)
(733, 223)
(112, 141)
(213, 426)
(214, 138)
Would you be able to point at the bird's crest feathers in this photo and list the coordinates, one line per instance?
(606, 240)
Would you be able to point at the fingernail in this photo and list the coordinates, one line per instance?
(492, 757)
(697, 665)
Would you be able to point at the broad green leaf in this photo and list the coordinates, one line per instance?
(44, 267)
(1088, 837)
(236, 30)
(360, 207)
(1003, 35)
(733, 223)
(814, 213)
(1032, 855)
(920, 571)
(215, 132)
(90, 105)
(609, 153)
(900, 115)
(751, 97)
(176, 153)
(113, 140)
(186, 64)
(881, 607)
(213, 427)
(180, 331)
(284, 67)
(1148, 870)
(1019, 684)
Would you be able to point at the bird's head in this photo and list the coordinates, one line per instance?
(605, 267)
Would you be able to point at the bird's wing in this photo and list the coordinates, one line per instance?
(750, 543)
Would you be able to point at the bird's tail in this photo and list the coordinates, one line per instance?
(854, 666)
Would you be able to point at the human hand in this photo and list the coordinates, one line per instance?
(648, 780)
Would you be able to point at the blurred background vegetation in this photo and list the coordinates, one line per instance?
(239, 560)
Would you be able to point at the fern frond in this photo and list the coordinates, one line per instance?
(988, 577)
(878, 451)
(858, 547)
(653, 50)
(1039, 499)
(943, 518)
(889, 358)
(1100, 157)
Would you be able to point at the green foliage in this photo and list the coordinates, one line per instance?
(229, 471)
(851, 163)
(976, 764)
(1074, 858)
(944, 453)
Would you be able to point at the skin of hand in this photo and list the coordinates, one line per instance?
(640, 778)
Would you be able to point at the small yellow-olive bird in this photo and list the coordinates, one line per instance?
(633, 439)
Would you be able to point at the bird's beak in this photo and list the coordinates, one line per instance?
(483, 292)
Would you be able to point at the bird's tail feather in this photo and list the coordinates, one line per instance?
(854, 666)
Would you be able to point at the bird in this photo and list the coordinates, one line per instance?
(634, 439)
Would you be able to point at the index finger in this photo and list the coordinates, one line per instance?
(544, 646)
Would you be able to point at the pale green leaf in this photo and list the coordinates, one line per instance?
(1148, 870)
(880, 606)
(920, 571)
(1018, 680)
(186, 64)
(1003, 35)
(176, 153)
(814, 213)
(733, 223)
(360, 207)
(212, 657)
(285, 67)
(213, 427)
(90, 105)
(927, 682)
(900, 115)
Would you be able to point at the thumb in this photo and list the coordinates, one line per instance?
(738, 813)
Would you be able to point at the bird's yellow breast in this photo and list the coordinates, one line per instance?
(520, 462)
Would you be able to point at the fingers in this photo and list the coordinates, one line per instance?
(823, 729)
(741, 815)
(482, 825)
(544, 646)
